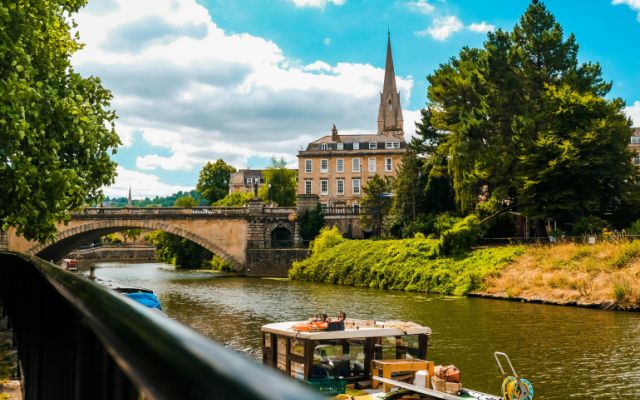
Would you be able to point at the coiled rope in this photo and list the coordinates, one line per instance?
(516, 389)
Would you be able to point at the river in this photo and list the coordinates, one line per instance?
(566, 352)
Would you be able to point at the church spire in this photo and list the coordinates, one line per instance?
(390, 119)
(129, 202)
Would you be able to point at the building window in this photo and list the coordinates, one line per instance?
(340, 186)
(308, 166)
(324, 166)
(249, 181)
(324, 146)
(636, 159)
(635, 139)
(340, 165)
(355, 186)
(356, 145)
(324, 186)
(307, 187)
(355, 165)
(392, 145)
(340, 146)
(388, 164)
(373, 145)
(356, 208)
(372, 165)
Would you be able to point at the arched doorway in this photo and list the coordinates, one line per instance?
(281, 238)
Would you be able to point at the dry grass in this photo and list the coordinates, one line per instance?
(607, 273)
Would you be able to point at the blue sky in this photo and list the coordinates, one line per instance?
(244, 80)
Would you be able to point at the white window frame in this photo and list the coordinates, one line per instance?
(340, 146)
(324, 192)
(324, 147)
(636, 159)
(392, 145)
(371, 167)
(308, 186)
(339, 164)
(388, 164)
(324, 169)
(635, 139)
(249, 181)
(339, 192)
(308, 166)
(355, 186)
(356, 145)
(373, 145)
(354, 164)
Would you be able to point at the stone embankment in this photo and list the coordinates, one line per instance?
(124, 253)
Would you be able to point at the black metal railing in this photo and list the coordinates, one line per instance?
(79, 340)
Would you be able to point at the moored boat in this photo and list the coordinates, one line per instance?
(370, 360)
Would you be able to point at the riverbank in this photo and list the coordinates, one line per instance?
(605, 275)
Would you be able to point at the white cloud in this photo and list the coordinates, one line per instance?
(421, 6)
(443, 27)
(200, 93)
(633, 4)
(481, 27)
(633, 112)
(142, 185)
(317, 3)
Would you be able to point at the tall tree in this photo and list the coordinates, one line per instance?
(213, 182)
(56, 130)
(185, 201)
(529, 127)
(377, 203)
(280, 183)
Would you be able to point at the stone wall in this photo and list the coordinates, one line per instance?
(272, 262)
(112, 253)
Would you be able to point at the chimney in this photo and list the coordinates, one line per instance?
(334, 133)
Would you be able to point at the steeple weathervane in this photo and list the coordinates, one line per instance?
(390, 119)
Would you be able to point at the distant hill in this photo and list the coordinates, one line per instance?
(157, 201)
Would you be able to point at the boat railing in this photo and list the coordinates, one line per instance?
(79, 340)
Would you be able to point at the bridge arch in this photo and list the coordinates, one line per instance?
(70, 239)
(281, 234)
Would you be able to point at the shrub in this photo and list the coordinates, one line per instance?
(328, 238)
(220, 264)
(634, 229)
(235, 199)
(407, 264)
(620, 291)
(460, 237)
(444, 222)
(589, 225)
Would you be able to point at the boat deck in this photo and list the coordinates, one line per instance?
(354, 328)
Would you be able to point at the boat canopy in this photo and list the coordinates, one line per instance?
(354, 328)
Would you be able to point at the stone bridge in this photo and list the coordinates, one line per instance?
(244, 236)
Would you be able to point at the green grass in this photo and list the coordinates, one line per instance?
(408, 264)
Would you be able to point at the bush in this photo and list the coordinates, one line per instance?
(236, 199)
(310, 222)
(460, 237)
(407, 264)
(220, 264)
(444, 222)
(328, 238)
(589, 225)
(634, 229)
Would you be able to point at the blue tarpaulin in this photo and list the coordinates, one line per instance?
(146, 299)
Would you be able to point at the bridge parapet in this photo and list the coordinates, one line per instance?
(106, 212)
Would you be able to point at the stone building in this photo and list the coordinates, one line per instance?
(244, 180)
(337, 167)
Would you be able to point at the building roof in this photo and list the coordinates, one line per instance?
(636, 131)
(359, 138)
(354, 328)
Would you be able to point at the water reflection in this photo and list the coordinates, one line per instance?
(566, 352)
